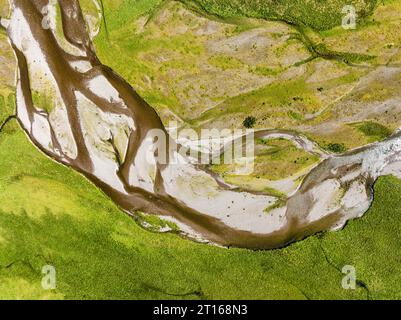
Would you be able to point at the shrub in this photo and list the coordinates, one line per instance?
(336, 147)
(249, 122)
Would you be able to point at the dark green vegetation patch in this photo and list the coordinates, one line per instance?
(373, 130)
(317, 14)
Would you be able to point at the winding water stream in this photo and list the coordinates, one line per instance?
(99, 126)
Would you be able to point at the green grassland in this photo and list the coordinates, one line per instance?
(381, 26)
(317, 14)
(375, 131)
(7, 95)
(275, 159)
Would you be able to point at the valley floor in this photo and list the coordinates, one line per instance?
(50, 215)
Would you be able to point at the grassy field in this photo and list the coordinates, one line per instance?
(275, 159)
(317, 14)
(51, 215)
